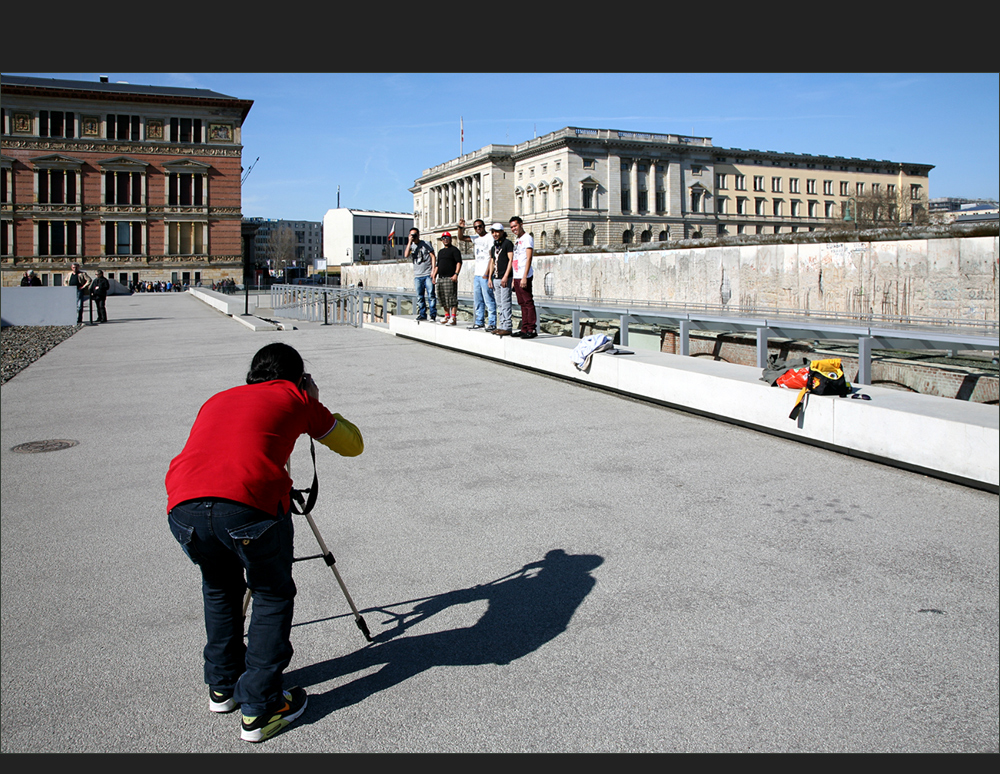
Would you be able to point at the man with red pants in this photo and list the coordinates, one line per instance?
(524, 248)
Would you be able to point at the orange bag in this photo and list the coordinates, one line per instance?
(793, 379)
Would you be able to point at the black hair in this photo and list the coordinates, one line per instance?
(516, 218)
(276, 361)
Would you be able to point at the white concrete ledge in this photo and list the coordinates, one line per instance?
(951, 439)
(232, 306)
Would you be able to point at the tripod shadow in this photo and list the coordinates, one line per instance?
(526, 609)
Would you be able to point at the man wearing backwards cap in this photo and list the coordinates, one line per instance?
(445, 275)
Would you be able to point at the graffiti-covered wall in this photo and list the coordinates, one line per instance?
(953, 278)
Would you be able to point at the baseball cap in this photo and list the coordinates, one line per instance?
(496, 227)
(446, 234)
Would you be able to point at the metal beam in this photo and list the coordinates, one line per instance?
(762, 346)
(685, 338)
(865, 360)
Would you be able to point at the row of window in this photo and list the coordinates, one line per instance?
(376, 239)
(59, 186)
(740, 184)
(61, 124)
(778, 207)
(123, 237)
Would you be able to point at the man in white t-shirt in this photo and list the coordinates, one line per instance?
(483, 300)
(524, 249)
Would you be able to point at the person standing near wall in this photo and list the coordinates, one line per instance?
(445, 275)
(81, 281)
(499, 271)
(483, 300)
(424, 260)
(99, 293)
(524, 249)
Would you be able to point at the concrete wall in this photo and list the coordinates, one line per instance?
(952, 278)
(38, 306)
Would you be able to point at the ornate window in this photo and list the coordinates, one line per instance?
(55, 123)
(57, 179)
(186, 130)
(124, 181)
(123, 237)
(187, 183)
(56, 237)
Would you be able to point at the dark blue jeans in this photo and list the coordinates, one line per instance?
(236, 546)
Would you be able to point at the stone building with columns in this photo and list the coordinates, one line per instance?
(577, 187)
(140, 181)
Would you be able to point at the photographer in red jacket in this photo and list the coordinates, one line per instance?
(229, 506)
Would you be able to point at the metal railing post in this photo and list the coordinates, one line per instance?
(865, 360)
(684, 334)
(762, 346)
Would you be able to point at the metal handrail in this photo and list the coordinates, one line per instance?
(869, 330)
(614, 307)
(326, 304)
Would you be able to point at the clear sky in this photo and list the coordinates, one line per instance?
(371, 135)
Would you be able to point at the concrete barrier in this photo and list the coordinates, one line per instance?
(38, 306)
(233, 306)
(951, 439)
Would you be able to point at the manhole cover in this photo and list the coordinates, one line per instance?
(34, 447)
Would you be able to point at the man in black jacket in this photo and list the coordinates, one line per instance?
(99, 293)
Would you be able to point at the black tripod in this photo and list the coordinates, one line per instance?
(304, 505)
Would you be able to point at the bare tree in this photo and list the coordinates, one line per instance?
(280, 249)
(881, 208)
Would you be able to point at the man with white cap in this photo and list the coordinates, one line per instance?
(499, 272)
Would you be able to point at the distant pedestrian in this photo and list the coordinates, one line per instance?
(445, 275)
(422, 255)
(99, 295)
(499, 272)
(81, 281)
(484, 308)
(524, 249)
(33, 280)
(26, 280)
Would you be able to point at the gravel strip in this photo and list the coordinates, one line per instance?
(22, 345)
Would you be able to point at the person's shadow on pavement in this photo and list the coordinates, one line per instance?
(526, 609)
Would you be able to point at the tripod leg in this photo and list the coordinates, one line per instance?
(331, 563)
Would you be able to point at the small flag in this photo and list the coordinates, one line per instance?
(392, 232)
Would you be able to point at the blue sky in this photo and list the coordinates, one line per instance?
(374, 134)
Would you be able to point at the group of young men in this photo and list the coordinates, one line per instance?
(502, 266)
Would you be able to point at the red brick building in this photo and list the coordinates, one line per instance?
(140, 181)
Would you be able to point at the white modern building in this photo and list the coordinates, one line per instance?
(353, 236)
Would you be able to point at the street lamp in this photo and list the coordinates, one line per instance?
(847, 215)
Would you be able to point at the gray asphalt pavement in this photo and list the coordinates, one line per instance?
(544, 567)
